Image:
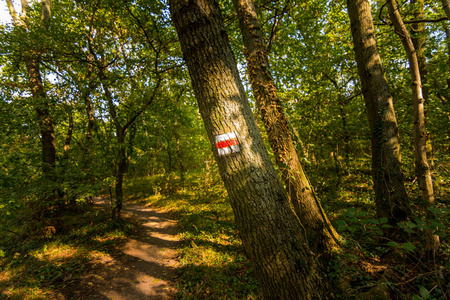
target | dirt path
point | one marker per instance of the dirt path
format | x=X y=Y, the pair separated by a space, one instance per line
x=144 y=267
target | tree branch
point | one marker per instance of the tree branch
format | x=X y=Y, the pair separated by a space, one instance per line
x=146 y=104
x=415 y=21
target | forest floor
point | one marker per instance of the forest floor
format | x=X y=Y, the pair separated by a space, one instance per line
x=178 y=242
x=172 y=243
x=143 y=266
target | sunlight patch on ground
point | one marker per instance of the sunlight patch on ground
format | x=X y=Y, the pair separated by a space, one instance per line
x=54 y=252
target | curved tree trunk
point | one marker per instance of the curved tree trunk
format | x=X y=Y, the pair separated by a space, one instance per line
x=270 y=231
x=420 y=136
x=320 y=233
x=390 y=195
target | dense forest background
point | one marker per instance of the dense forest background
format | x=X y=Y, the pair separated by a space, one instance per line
x=116 y=98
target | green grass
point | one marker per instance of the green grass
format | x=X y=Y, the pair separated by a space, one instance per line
x=213 y=263
x=215 y=267
x=41 y=266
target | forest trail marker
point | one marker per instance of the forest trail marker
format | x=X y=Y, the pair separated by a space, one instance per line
x=227 y=143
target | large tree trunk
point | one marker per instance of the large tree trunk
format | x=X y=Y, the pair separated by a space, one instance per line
x=43 y=114
x=390 y=195
x=270 y=231
x=420 y=136
x=320 y=233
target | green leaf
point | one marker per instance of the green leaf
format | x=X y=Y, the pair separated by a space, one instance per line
x=401 y=225
x=393 y=244
x=436 y=224
x=341 y=223
x=361 y=214
x=415 y=297
x=411 y=224
x=408 y=247
x=374 y=221
x=424 y=293
x=383 y=220
x=350 y=212
x=435 y=210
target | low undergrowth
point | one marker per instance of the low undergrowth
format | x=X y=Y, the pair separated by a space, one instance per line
x=45 y=264
x=367 y=267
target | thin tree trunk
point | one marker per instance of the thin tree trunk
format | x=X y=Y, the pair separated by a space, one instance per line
x=88 y=103
x=69 y=136
x=121 y=154
x=120 y=172
x=121 y=131
x=32 y=62
x=390 y=194
x=418 y=40
x=176 y=133
x=320 y=233
x=346 y=132
x=270 y=231
x=420 y=136
x=169 y=156
x=130 y=150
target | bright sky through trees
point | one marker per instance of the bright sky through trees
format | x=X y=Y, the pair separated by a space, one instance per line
x=4 y=12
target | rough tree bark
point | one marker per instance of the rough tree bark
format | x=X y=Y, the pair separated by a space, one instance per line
x=390 y=195
x=320 y=233
x=423 y=170
x=270 y=231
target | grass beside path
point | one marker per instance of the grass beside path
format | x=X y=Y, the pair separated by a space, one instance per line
x=213 y=265
x=45 y=263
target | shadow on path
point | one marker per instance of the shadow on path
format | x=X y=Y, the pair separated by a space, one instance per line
x=144 y=267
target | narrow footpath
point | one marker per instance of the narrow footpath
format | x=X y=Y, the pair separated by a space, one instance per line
x=144 y=267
